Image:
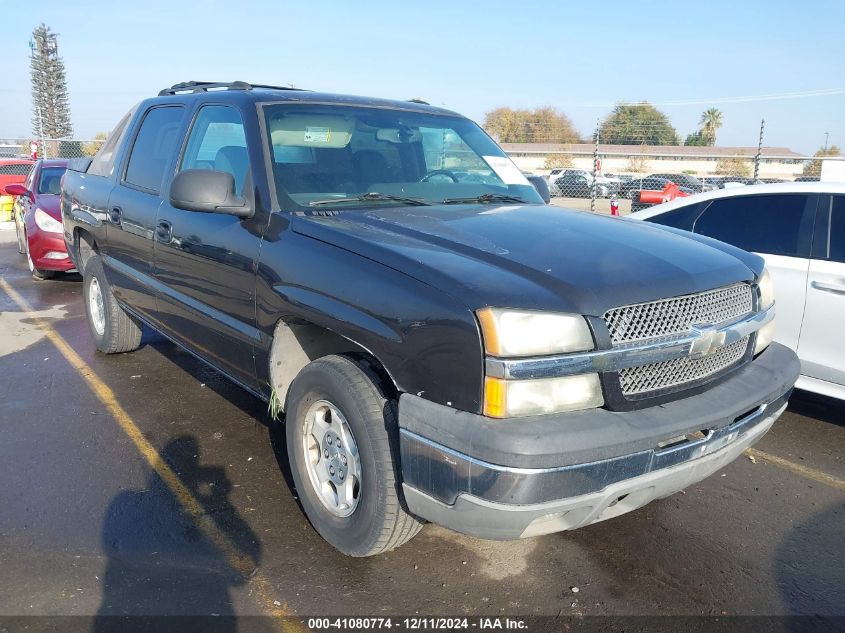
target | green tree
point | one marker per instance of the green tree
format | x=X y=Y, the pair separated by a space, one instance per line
x=710 y=122
x=50 y=107
x=696 y=139
x=637 y=124
x=541 y=125
x=813 y=168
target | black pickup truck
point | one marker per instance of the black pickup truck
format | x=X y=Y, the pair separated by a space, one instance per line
x=440 y=344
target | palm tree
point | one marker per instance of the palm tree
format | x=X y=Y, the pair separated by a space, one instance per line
x=711 y=120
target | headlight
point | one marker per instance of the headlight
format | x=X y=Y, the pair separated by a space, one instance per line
x=515 y=398
x=46 y=222
x=765 y=335
x=767 y=291
x=509 y=333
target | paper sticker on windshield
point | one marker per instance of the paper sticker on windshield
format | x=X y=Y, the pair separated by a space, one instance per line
x=317 y=134
x=506 y=170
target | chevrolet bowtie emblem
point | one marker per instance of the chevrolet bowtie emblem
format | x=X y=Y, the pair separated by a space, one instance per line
x=707 y=341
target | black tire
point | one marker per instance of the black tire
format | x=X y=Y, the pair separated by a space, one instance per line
x=380 y=521
x=121 y=332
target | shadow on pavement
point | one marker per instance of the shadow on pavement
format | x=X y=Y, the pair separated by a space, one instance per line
x=809 y=570
x=816 y=406
x=158 y=562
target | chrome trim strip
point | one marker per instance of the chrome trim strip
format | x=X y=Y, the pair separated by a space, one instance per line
x=624 y=356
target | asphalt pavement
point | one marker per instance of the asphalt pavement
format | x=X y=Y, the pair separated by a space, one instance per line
x=146 y=483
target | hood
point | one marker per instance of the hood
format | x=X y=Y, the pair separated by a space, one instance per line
x=50 y=204
x=534 y=256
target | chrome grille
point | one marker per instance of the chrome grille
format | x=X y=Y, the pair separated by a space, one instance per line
x=670 y=373
x=667 y=317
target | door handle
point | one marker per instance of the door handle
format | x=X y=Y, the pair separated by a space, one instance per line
x=114 y=215
x=164 y=231
x=826 y=286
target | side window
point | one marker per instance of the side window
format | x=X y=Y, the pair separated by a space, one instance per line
x=682 y=218
x=103 y=162
x=763 y=224
x=217 y=141
x=836 y=248
x=154 y=146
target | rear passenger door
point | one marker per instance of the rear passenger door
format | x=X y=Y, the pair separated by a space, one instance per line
x=779 y=227
x=822 y=344
x=205 y=263
x=133 y=207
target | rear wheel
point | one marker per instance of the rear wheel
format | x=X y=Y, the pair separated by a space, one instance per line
x=342 y=442
x=113 y=329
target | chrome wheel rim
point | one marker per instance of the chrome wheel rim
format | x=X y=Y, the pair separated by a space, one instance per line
x=96 y=308
x=331 y=458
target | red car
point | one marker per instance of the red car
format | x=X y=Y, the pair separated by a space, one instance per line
x=38 y=220
x=14 y=170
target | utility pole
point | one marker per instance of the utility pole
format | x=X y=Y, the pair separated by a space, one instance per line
x=594 y=186
x=759 y=149
x=826 y=135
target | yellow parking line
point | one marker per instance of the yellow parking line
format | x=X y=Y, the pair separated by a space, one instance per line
x=245 y=565
x=798 y=469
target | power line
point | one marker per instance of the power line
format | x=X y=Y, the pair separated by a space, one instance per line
x=805 y=94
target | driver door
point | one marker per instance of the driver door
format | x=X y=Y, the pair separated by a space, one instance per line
x=205 y=263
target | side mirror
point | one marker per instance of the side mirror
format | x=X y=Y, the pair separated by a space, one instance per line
x=209 y=191
x=16 y=190
x=541 y=186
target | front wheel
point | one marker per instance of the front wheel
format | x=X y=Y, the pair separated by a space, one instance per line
x=113 y=329
x=37 y=273
x=342 y=443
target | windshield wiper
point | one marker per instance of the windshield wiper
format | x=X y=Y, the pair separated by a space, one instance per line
x=373 y=196
x=485 y=198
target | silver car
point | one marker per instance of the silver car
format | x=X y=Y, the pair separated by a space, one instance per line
x=799 y=228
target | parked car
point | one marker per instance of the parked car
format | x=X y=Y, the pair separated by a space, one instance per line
x=574 y=184
x=688 y=182
x=799 y=229
x=38 y=221
x=14 y=171
x=631 y=188
x=446 y=351
x=565 y=182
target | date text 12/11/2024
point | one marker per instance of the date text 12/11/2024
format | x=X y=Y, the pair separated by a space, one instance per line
x=418 y=623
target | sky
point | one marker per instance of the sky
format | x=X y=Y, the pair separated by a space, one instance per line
x=580 y=57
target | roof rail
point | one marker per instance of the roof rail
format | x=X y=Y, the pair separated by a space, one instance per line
x=205 y=86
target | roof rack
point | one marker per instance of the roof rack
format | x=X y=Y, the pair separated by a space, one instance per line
x=205 y=86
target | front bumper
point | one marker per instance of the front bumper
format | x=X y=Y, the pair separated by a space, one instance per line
x=516 y=478
x=45 y=248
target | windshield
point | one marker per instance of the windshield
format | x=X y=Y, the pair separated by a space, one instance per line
x=50 y=181
x=341 y=156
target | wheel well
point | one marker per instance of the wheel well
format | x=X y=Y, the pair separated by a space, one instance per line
x=295 y=344
x=85 y=247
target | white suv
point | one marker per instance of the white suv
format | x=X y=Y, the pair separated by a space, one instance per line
x=799 y=228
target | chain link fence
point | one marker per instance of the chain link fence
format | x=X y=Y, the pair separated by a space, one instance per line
x=28 y=148
x=629 y=165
